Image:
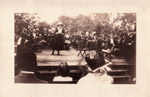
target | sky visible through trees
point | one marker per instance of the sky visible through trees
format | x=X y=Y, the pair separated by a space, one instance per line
x=99 y=22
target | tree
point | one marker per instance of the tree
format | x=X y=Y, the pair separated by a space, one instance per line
x=84 y=23
x=101 y=23
x=24 y=20
x=128 y=20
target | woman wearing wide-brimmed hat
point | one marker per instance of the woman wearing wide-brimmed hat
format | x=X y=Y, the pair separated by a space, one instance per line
x=59 y=38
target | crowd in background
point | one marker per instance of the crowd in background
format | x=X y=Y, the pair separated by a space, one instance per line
x=95 y=37
x=123 y=44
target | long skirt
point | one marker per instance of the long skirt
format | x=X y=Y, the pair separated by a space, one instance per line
x=58 y=42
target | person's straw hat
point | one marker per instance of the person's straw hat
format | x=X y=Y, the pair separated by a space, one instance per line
x=59 y=23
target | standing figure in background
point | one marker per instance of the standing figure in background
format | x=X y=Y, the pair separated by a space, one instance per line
x=67 y=40
x=73 y=40
x=59 y=38
x=26 y=40
x=52 y=38
x=99 y=43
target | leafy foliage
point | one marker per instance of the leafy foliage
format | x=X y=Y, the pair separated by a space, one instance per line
x=24 y=20
x=99 y=22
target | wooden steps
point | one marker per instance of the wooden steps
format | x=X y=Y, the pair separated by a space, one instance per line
x=55 y=71
x=122 y=71
x=54 y=67
x=48 y=72
x=122 y=79
x=120 y=63
x=117 y=72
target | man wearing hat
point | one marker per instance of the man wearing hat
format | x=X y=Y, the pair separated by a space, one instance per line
x=59 y=38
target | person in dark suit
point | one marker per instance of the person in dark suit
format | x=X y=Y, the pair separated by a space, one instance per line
x=99 y=44
x=26 y=61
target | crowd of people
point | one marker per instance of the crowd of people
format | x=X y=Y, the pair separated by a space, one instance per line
x=121 y=45
x=60 y=39
x=100 y=45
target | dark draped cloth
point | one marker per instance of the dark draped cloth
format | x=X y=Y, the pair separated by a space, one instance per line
x=91 y=45
x=99 y=45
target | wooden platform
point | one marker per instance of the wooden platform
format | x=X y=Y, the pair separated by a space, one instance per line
x=45 y=58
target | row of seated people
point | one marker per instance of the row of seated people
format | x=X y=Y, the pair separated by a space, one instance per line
x=123 y=45
x=96 y=71
x=99 y=45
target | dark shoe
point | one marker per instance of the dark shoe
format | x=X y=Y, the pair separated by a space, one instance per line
x=52 y=53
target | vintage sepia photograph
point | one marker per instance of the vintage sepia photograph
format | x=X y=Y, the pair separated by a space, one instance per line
x=74 y=48
x=98 y=48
